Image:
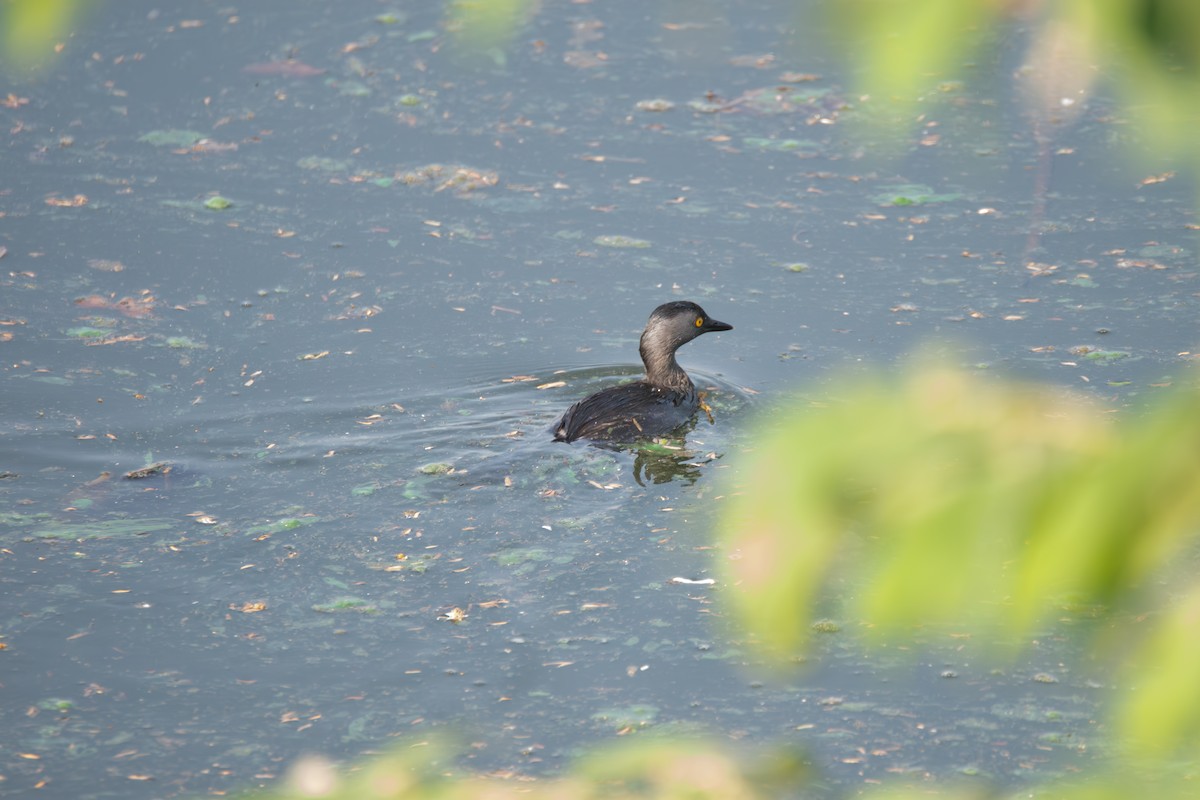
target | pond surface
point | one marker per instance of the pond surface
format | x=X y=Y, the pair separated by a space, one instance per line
x=342 y=277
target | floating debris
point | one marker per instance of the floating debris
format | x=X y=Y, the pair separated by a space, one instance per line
x=157 y=468
x=287 y=68
x=657 y=104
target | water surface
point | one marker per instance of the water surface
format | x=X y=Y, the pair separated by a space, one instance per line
x=353 y=367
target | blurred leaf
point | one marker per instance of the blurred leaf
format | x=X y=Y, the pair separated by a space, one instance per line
x=1162 y=711
x=903 y=48
x=664 y=768
x=31 y=28
x=484 y=27
x=949 y=499
x=1148 y=49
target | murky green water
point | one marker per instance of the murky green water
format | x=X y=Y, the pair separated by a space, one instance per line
x=353 y=365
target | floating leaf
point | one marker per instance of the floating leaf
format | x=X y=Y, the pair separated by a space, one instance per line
x=86 y=333
x=172 y=137
x=104 y=529
x=285 y=68
x=325 y=164
x=355 y=604
x=657 y=104
x=779 y=145
x=1106 y=356
x=621 y=242
x=910 y=194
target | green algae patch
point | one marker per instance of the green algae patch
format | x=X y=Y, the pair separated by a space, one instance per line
x=1106 y=356
x=103 y=529
x=281 y=525
x=323 y=164
x=86 y=332
x=343 y=604
x=913 y=194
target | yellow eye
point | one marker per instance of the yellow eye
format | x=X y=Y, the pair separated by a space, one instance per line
x=699 y=322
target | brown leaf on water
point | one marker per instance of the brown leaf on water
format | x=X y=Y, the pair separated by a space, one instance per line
x=137 y=307
x=757 y=62
x=128 y=337
x=159 y=468
x=1153 y=179
x=250 y=607
x=67 y=202
x=92 y=301
x=798 y=77
x=213 y=146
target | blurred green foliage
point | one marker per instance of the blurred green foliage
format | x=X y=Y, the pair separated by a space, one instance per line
x=947 y=501
x=662 y=768
x=1148 y=51
x=482 y=29
x=954 y=500
x=30 y=29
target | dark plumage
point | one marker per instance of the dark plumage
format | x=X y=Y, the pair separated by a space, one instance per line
x=655 y=405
